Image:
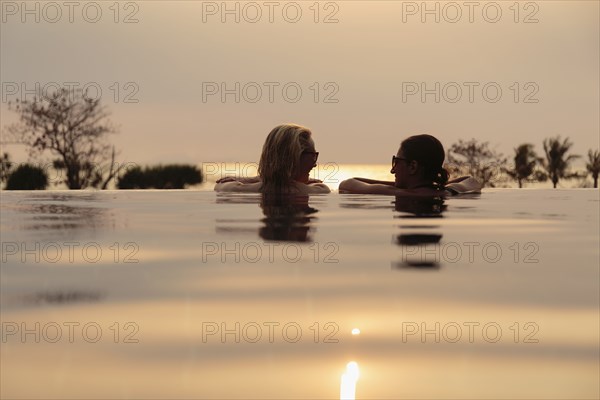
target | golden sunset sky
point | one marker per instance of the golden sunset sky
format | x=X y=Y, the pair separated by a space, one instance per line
x=370 y=57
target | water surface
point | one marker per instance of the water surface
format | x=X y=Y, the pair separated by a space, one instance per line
x=192 y=294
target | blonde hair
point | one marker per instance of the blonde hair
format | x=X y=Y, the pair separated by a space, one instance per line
x=280 y=156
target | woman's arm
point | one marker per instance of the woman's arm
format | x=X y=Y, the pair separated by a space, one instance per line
x=313 y=188
x=359 y=186
x=226 y=179
x=456 y=180
x=238 y=187
x=373 y=181
x=465 y=185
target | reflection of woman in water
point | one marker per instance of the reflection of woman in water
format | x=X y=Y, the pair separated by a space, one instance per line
x=287 y=158
x=287 y=218
x=418 y=170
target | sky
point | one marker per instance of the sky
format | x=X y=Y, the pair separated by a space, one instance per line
x=195 y=82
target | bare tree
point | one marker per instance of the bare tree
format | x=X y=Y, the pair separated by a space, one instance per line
x=557 y=161
x=476 y=159
x=74 y=129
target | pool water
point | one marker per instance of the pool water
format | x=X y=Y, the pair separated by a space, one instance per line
x=193 y=294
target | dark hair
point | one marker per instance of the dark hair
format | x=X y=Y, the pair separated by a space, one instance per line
x=430 y=154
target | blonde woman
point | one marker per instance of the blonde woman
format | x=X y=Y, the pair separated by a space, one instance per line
x=287 y=158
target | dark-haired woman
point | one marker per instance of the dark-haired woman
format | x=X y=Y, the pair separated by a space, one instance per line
x=418 y=169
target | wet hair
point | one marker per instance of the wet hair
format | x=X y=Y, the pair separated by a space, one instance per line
x=281 y=155
x=429 y=153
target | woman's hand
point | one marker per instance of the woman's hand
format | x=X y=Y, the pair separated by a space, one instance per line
x=226 y=179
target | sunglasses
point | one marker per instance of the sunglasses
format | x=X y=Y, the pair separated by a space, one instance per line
x=396 y=159
x=315 y=154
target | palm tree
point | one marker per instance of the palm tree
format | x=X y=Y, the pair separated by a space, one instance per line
x=525 y=162
x=593 y=165
x=557 y=160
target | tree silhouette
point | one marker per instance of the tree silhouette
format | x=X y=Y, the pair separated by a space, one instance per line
x=557 y=161
x=27 y=177
x=5 y=167
x=476 y=159
x=74 y=128
x=160 y=177
x=593 y=165
x=525 y=160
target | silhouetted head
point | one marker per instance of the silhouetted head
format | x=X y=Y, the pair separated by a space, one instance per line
x=288 y=155
x=418 y=163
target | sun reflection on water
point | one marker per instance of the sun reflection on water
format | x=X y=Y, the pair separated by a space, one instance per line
x=348 y=381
